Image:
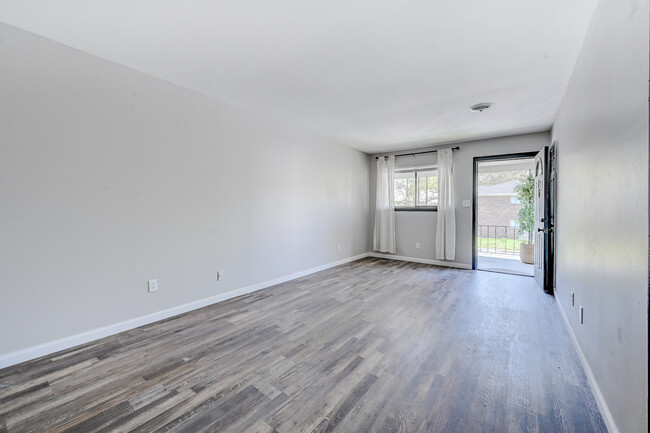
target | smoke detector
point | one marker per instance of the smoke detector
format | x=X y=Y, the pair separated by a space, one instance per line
x=481 y=107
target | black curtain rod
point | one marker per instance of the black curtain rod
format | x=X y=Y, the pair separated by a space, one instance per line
x=420 y=153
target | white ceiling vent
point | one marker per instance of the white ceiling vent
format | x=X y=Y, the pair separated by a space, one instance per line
x=481 y=107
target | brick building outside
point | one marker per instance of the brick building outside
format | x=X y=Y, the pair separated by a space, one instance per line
x=498 y=207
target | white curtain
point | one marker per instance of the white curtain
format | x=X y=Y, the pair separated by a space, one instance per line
x=446 y=230
x=384 y=236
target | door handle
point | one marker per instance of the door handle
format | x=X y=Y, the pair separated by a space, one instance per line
x=549 y=230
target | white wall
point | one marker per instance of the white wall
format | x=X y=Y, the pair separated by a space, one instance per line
x=602 y=222
x=412 y=227
x=109 y=178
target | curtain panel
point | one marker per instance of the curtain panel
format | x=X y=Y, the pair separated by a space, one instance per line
x=446 y=226
x=384 y=234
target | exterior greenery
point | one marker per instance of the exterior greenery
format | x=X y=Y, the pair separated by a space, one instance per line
x=499 y=245
x=414 y=188
x=526 y=194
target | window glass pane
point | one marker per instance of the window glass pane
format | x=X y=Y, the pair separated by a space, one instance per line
x=408 y=174
x=404 y=188
x=417 y=187
x=428 y=188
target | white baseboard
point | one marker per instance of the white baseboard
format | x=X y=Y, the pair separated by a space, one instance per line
x=33 y=352
x=417 y=260
x=600 y=399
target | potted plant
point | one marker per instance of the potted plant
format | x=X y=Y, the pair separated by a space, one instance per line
x=526 y=194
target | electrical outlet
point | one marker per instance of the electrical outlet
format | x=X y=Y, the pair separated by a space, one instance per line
x=219 y=275
x=581 y=316
x=417 y=245
x=152 y=285
x=573 y=299
x=338 y=247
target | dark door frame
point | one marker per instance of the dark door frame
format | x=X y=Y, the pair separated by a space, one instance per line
x=552 y=206
x=477 y=159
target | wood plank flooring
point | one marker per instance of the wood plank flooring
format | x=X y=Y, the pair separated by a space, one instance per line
x=371 y=346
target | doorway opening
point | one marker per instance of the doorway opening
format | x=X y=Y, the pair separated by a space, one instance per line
x=503 y=214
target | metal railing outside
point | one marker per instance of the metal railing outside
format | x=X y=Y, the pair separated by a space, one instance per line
x=493 y=239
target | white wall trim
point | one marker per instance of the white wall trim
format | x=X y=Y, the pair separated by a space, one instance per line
x=417 y=260
x=22 y=355
x=600 y=399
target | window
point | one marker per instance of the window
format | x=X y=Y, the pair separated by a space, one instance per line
x=416 y=188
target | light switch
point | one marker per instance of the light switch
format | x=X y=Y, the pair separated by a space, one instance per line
x=467 y=203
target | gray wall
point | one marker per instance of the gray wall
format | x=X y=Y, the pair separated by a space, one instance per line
x=412 y=227
x=109 y=178
x=602 y=228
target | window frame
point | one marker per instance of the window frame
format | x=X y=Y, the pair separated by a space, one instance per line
x=416 y=208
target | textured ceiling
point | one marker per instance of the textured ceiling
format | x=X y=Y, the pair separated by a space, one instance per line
x=376 y=75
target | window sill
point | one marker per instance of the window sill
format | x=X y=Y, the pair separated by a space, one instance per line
x=417 y=209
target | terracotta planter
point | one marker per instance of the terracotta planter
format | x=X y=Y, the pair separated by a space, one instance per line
x=527 y=253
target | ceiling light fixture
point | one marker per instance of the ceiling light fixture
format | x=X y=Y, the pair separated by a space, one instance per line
x=481 y=107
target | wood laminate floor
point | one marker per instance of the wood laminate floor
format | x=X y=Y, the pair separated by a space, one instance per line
x=371 y=346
